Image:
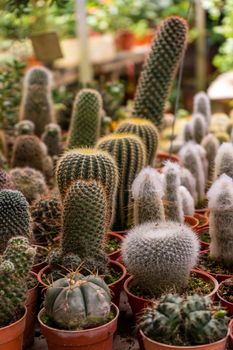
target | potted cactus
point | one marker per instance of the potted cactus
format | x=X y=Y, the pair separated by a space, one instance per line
x=78 y=313
x=184 y=323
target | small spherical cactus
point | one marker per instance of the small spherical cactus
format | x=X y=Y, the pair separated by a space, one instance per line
x=52 y=139
x=24 y=127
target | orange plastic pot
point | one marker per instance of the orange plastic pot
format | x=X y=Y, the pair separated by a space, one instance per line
x=162 y=157
x=204 y=211
x=150 y=344
x=203 y=220
x=98 y=338
x=11 y=337
x=115 y=255
x=191 y=221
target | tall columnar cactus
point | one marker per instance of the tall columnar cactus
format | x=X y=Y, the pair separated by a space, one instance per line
x=202 y=105
x=85 y=224
x=160 y=256
x=147 y=190
x=14 y=216
x=211 y=145
x=24 y=127
x=85 y=164
x=86 y=119
x=199 y=127
x=52 y=139
x=187 y=201
x=15 y=265
x=202 y=153
x=188 y=180
x=192 y=161
x=129 y=153
x=146 y=130
x=172 y=197
x=159 y=70
x=30 y=182
x=224 y=160
x=220 y=198
x=187 y=133
x=37 y=104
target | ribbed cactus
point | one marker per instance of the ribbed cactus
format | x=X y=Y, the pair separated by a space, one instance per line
x=224 y=160
x=15 y=265
x=191 y=321
x=187 y=180
x=85 y=164
x=129 y=153
x=211 y=145
x=172 y=197
x=24 y=127
x=199 y=127
x=85 y=120
x=147 y=190
x=5 y=181
x=160 y=256
x=192 y=161
x=187 y=133
x=146 y=130
x=202 y=105
x=30 y=182
x=14 y=216
x=187 y=200
x=78 y=302
x=37 y=105
x=220 y=198
x=159 y=70
x=52 y=139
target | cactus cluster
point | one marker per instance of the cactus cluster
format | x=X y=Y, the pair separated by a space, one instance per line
x=159 y=70
x=24 y=127
x=224 y=160
x=160 y=255
x=202 y=106
x=189 y=321
x=52 y=139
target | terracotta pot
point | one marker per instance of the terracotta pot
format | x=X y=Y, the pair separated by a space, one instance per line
x=117 y=253
x=11 y=337
x=138 y=304
x=227 y=304
x=121 y=233
x=98 y=338
x=218 y=276
x=201 y=218
x=31 y=304
x=204 y=245
x=150 y=344
x=124 y=40
x=191 y=221
x=204 y=211
x=230 y=334
x=164 y=156
x=37 y=267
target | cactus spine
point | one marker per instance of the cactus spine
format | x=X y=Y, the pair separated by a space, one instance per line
x=224 y=160
x=160 y=255
x=129 y=153
x=52 y=139
x=146 y=130
x=202 y=105
x=85 y=120
x=159 y=70
x=199 y=127
x=147 y=192
x=187 y=201
x=37 y=105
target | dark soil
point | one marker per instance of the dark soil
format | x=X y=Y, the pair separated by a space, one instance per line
x=226 y=290
x=113 y=244
x=210 y=265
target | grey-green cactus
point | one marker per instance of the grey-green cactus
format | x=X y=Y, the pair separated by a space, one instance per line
x=224 y=160
x=187 y=201
x=86 y=119
x=147 y=190
x=199 y=127
x=146 y=130
x=52 y=139
x=211 y=145
x=24 y=127
x=187 y=133
x=187 y=180
x=160 y=255
x=202 y=105
x=37 y=105
x=202 y=154
x=159 y=70
x=129 y=153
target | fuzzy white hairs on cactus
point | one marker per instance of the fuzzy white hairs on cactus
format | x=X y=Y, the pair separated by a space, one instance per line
x=187 y=133
x=220 y=198
x=202 y=152
x=202 y=105
x=199 y=127
x=224 y=160
x=188 y=181
x=211 y=145
x=187 y=201
x=147 y=190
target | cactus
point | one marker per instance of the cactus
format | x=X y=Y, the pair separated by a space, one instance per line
x=5 y=181
x=85 y=120
x=37 y=103
x=220 y=198
x=211 y=145
x=187 y=131
x=187 y=201
x=24 y=127
x=203 y=156
x=14 y=217
x=15 y=265
x=224 y=160
x=129 y=153
x=52 y=139
x=147 y=190
x=193 y=320
x=46 y=215
x=222 y=136
x=146 y=130
x=188 y=181
x=30 y=182
x=84 y=164
x=199 y=127
x=77 y=302
x=160 y=255
x=159 y=70
x=202 y=105
x=172 y=197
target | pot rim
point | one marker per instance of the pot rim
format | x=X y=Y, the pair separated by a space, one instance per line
x=16 y=322
x=194 y=225
x=206 y=224
x=213 y=274
x=219 y=295
x=83 y=331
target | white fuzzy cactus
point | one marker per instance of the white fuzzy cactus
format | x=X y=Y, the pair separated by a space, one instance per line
x=199 y=127
x=187 y=201
x=211 y=145
x=188 y=181
x=220 y=198
x=187 y=133
x=172 y=197
x=147 y=190
x=224 y=160
x=202 y=105
x=160 y=256
x=202 y=153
